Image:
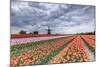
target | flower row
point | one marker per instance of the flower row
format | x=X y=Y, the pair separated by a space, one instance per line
x=33 y=39
x=36 y=56
x=91 y=42
x=74 y=52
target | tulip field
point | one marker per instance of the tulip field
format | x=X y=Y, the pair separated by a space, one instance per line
x=52 y=49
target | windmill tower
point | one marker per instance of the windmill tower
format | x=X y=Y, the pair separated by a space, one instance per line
x=49 y=30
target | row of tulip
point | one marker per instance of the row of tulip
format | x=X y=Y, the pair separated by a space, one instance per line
x=74 y=52
x=14 y=36
x=38 y=55
x=90 y=41
x=34 y=44
x=32 y=39
x=91 y=36
x=16 y=50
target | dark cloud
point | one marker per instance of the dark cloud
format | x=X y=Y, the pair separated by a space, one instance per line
x=32 y=16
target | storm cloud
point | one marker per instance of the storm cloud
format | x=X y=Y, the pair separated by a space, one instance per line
x=62 y=18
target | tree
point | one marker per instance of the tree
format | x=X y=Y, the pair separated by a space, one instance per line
x=35 y=32
x=22 y=32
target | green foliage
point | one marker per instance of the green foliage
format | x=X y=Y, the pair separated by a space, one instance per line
x=22 y=32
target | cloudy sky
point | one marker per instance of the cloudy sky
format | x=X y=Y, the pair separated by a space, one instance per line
x=61 y=18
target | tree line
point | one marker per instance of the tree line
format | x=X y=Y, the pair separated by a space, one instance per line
x=25 y=32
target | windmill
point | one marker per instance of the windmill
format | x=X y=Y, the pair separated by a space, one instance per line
x=49 y=30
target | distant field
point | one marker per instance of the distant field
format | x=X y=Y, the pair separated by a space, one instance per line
x=14 y=36
x=51 y=49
